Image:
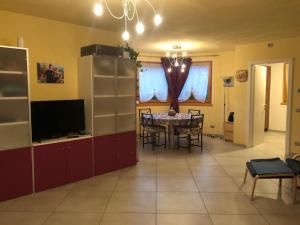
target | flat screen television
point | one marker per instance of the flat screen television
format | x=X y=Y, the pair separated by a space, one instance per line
x=53 y=119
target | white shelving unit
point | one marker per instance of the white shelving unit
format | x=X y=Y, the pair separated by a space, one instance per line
x=108 y=84
x=14 y=99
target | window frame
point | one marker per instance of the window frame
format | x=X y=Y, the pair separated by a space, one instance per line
x=154 y=102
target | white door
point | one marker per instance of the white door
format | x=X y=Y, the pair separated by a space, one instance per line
x=260 y=74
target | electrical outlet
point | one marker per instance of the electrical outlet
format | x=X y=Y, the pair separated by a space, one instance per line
x=212 y=126
x=297 y=143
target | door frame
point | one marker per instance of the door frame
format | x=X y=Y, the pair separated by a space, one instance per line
x=250 y=97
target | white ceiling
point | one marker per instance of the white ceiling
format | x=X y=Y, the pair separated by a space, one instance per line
x=211 y=25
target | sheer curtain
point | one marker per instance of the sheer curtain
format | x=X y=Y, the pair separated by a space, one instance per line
x=196 y=84
x=153 y=83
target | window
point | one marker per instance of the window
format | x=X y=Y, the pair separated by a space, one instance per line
x=153 y=84
x=197 y=87
x=153 y=87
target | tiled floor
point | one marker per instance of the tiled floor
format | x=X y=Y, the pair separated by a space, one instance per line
x=167 y=187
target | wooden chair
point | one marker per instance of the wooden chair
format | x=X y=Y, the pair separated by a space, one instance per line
x=194 y=112
x=145 y=110
x=151 y=130
x=195 y=127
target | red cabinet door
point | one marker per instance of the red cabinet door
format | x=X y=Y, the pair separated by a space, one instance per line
x=50 y=166
x=105 y=155
x=79 y=160
x=15 y=173
x=126 y=149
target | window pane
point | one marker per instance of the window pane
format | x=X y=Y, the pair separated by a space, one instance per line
x=153 y=83
x=196 y=85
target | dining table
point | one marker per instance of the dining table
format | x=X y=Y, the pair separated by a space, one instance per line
x=179 y=119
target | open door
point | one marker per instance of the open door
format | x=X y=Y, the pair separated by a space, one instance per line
x=260 y=73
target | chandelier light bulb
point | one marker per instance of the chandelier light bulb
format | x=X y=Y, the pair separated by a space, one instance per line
x=140 y=28
x=184 y=54
x=176 y=64
x=98 y=9
x=183 y=66
x=182 y=70
x=173 y=56
x=168 y=54
x=125 y=35
x=157 y=20
x=169 y=70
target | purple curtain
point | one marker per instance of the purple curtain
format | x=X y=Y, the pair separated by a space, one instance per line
x=176 y=79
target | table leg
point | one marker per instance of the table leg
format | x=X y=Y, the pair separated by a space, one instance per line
x=171 y=135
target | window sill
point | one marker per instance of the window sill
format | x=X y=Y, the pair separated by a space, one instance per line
x=188 y=103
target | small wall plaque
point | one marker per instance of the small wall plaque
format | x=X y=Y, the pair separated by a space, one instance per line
x=242 y=75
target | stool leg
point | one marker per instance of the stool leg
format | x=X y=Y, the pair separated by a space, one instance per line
x=253 y=188
x=246 y=173
x=295 y=189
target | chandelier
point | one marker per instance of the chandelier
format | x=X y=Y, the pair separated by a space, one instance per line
x=176 y=58
x=129 y=13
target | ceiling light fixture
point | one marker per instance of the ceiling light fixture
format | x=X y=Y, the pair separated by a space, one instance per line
x=129 y=13
x=177 y=58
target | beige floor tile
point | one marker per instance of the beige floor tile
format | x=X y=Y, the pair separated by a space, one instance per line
x=100 y=183
x=146 y=170
x=22 y=218
x=173 y=170
x=136 y=184
x=183 y=219
x=276 y=204
x=128 y=219
x=238 y=220
x=235 y=171
x=138 y=202
x=228 y=203
x=208 y=171
x=179 y=202
x=45 y=201
x=216 y=184
x=85 y=201
x=73 y=219
x=169 y=183
x=5 y=204
x=283 y=219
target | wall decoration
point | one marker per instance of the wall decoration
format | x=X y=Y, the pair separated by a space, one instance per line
x=50 y=73
x=242 y=75
x=228 y=81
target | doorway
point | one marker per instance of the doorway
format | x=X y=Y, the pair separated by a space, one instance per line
x=270 y=103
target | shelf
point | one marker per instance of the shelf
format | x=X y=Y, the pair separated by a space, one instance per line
x=104 y=96
x=12 y=72
x=126 y=114
x=125 y=96
x=104 y=76
x=104 y=115
x=13 y=98
x=124 y=77
x=60 y=140
x=14 y=123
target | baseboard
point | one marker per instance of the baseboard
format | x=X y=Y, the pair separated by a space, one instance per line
x=277 y=131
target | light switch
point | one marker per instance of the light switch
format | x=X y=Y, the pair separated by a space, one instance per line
x=298 y=90
x=298 y=110
x=297 y=143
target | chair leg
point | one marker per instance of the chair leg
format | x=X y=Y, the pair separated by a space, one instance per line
x=140 y=131
x=280 y=182
x=198 y=138
x=201 y=141
x=246 y=173
x=253 y=188
x=295 y=189
x=153 y=140
x=189 y=143
x=143 y=137
x=178 y=141
x=165 y=139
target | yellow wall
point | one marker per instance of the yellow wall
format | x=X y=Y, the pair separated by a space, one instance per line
x=287 y=48
x=223 y=65
x=51 y=42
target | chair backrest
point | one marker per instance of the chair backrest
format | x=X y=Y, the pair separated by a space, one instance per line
x=197 y=121
x=145 y=110
x=194 y=112
x=147 y=120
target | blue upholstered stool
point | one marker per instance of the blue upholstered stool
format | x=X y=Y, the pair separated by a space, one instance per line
x=269 y=169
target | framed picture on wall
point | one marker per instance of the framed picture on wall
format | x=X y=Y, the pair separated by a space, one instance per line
x=50 y=73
